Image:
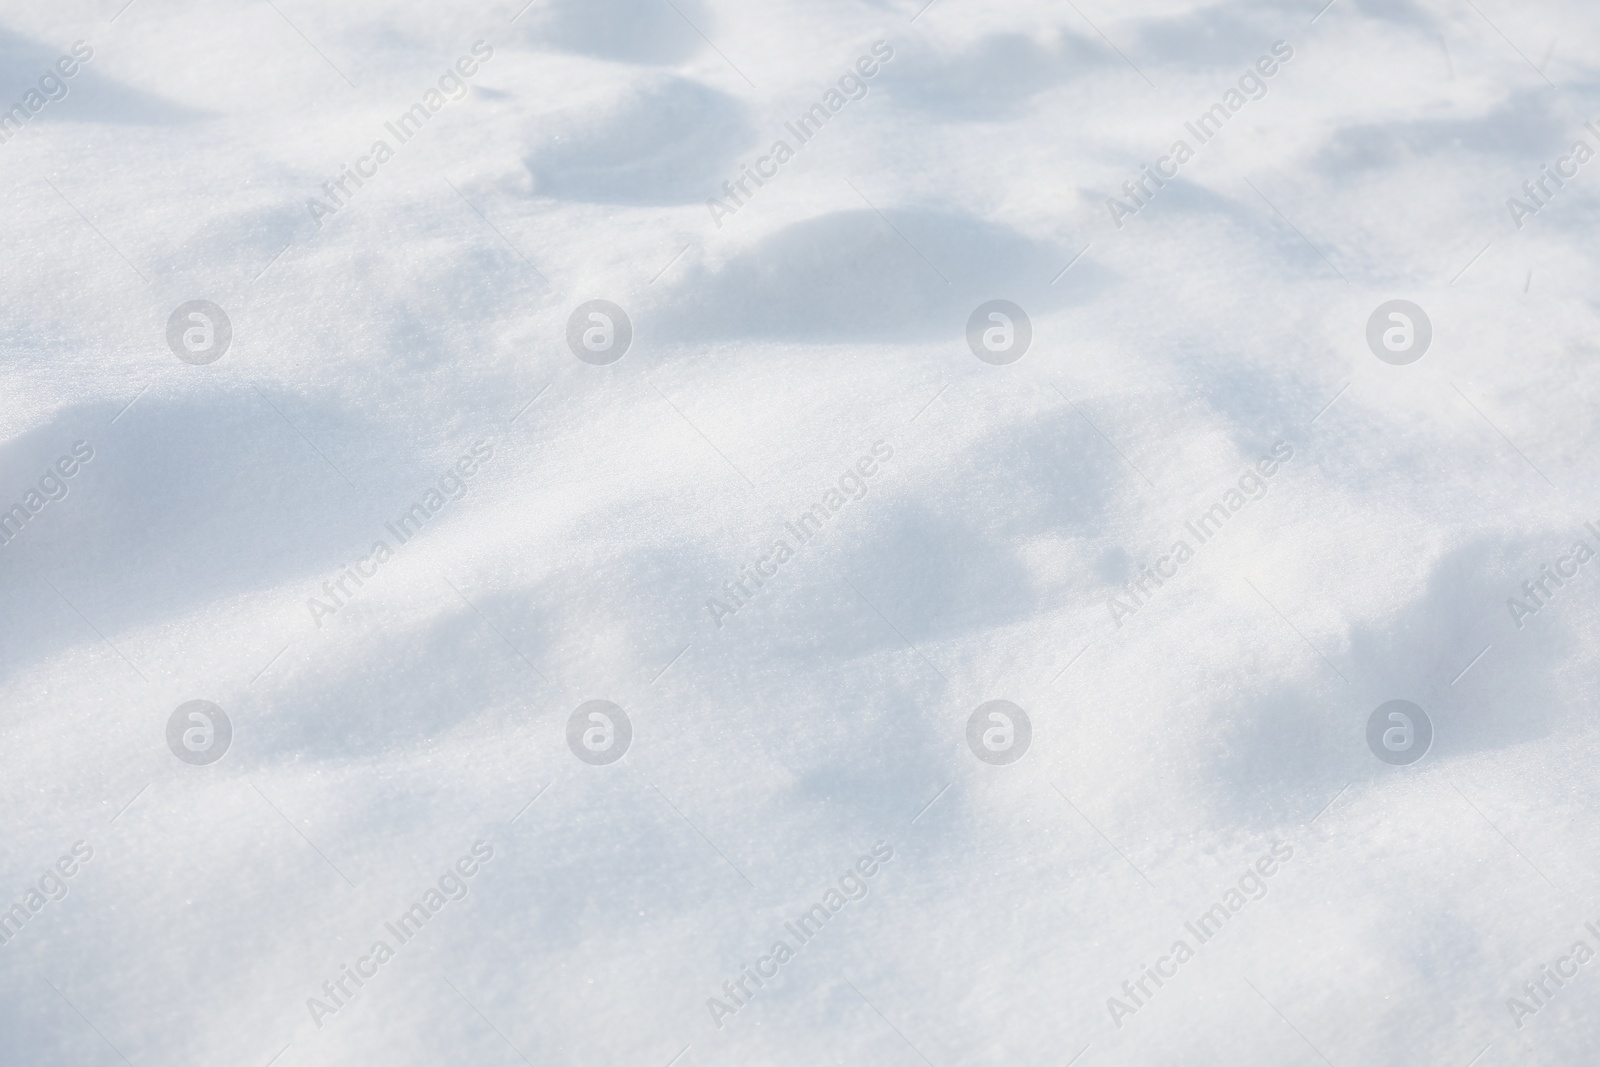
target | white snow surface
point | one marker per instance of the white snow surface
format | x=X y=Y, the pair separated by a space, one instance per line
x=424 y=712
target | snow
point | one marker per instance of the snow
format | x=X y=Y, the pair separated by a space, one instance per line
x=584 y=528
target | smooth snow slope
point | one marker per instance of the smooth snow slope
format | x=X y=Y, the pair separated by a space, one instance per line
x=405 y=741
